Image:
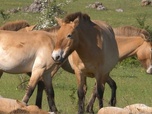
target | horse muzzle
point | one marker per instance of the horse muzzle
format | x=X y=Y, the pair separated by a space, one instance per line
x=57 y=56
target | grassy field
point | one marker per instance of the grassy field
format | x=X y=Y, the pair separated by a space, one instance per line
x=134 y=85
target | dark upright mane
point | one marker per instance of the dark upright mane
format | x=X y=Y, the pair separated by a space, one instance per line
x=132 y=31
x=73 y=16
x=15 y=26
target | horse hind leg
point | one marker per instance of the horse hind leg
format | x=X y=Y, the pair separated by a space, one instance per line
x=112 y=102
x=50 y=92
x=1 y=73
x=113 y=87
x=40 y=88
x=100 y=87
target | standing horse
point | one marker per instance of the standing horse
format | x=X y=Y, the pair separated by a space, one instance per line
x=33 y=55
x=131 y=41
x=94 y=50
x=138 y=39
x=125 y=36
x=23 y=25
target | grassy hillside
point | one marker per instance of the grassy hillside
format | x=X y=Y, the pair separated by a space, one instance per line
x=134 y=85
x=132 y=10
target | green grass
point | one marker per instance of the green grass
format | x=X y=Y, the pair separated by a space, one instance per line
x=132 y=82
x=134 y=85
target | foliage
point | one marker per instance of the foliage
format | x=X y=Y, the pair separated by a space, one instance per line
x=141 y=20
x=4 y=15
x=50 y=10
x=23 y=82
x=131 y=61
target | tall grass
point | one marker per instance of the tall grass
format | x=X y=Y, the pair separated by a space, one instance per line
x=134 y=85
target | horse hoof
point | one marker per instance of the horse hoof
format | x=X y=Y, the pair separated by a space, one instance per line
x=51 y=112
x=112 y=103
x=90 y=111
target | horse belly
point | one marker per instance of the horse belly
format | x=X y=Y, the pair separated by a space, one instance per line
x=15 y=67
x=111 y=57
x=15 y=64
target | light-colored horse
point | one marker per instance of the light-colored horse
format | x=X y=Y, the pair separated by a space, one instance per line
x=12 y=26
x=131 y=41
x=94 y=48
x=23 y=25
x=25 y=52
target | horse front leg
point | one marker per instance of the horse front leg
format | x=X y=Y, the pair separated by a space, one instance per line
x=40 y=88
x=50 y=92
x=89 y=108
x=35 y=77
x=113 y=87
x=82 y=88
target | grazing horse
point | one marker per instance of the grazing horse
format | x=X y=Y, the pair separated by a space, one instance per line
x=131 y=41
x=93 y=50
x=33 y=55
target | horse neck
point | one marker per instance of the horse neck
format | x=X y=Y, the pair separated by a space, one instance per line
x=87 y=41
x=128 y=46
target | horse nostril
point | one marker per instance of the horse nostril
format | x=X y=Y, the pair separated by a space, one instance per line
x=57 y=57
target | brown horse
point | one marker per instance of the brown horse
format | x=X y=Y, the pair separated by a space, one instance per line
x=92 y=47
x=33 y=55
x=130 y=36
x=127 y=32
x=131 y=41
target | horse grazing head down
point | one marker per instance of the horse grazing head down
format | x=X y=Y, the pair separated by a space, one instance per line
x=67 y=36
x=138 y=42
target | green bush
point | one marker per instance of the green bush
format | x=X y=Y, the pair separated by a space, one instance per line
x=50 y=10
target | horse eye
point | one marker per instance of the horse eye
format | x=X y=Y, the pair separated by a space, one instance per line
x=69 y=36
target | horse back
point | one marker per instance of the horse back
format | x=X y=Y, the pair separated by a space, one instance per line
x=109 y=46
x=20 y=50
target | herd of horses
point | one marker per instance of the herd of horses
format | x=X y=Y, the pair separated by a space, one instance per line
x=84 y=47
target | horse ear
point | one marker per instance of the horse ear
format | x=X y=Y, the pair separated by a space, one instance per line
x=76 y=22
x=59 y=21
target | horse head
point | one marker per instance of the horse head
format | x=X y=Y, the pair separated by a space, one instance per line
x=66 y=40
x=144 y=55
